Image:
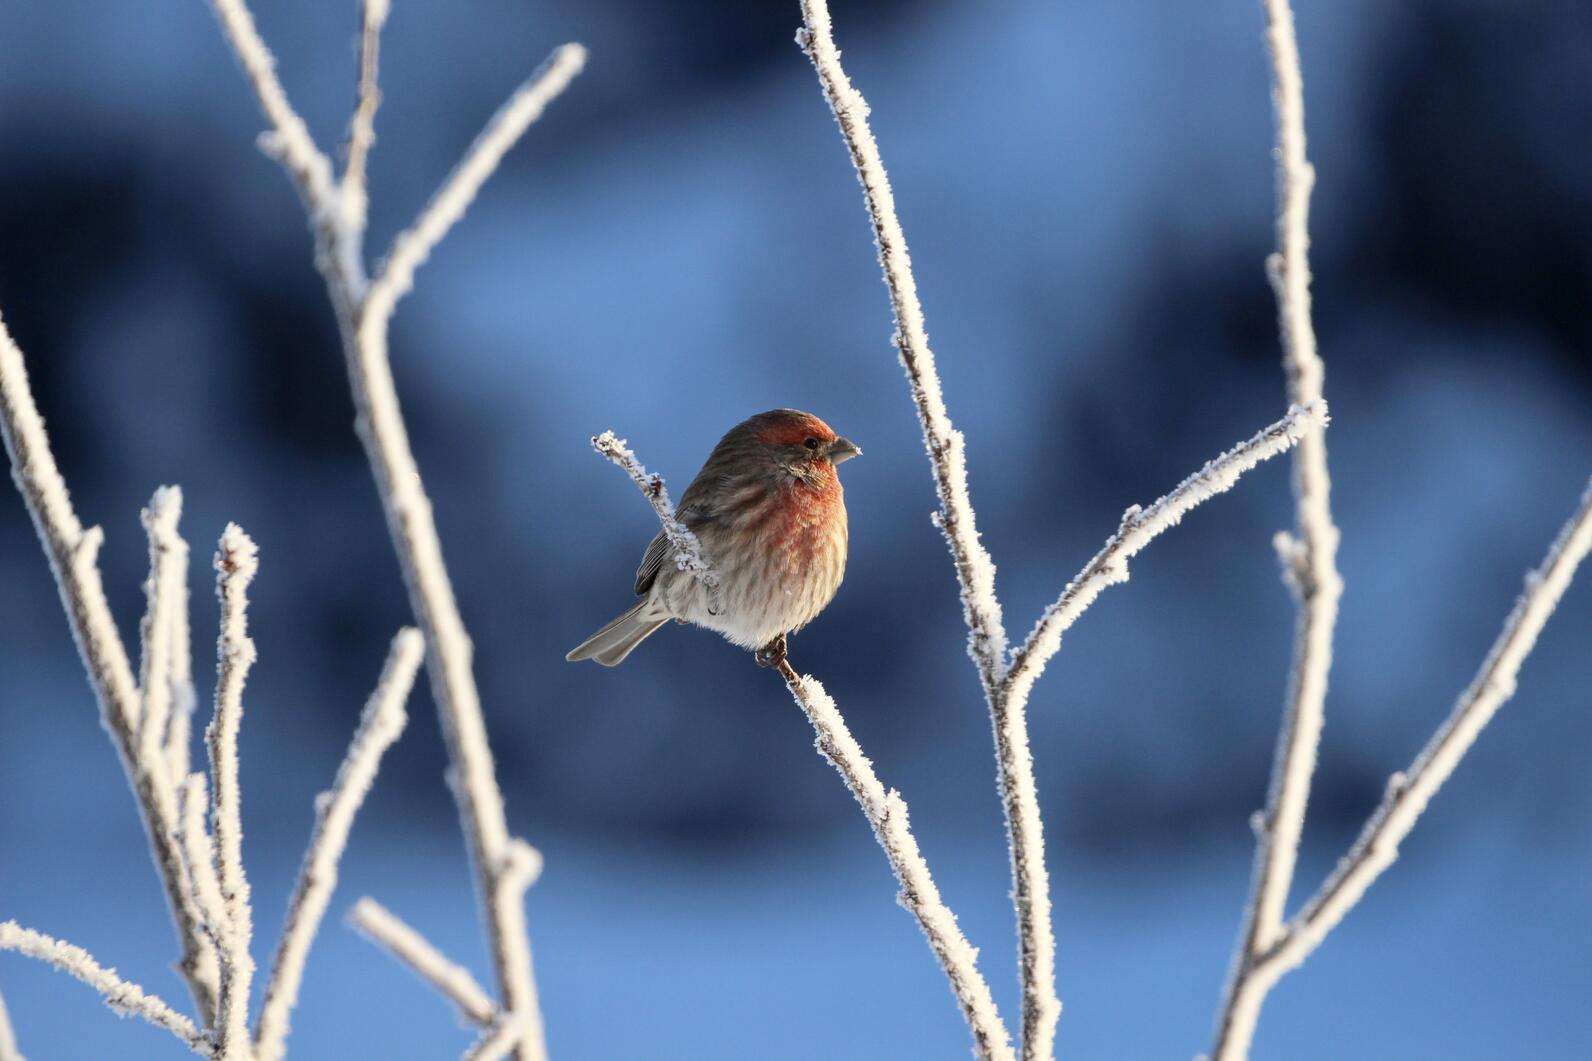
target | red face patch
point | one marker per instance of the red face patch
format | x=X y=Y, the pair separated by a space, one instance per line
x=795 y=429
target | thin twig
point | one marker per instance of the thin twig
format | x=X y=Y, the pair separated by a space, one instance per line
x=886 y=812
x=1140 y=526
x=683 y=544
x=1309 y=555
x=363 y=313
x=236 y=562
x=975 y=570
x=354 y=188
x=385 y=929
x=1408 y=793
x=199 y=856
x=72 y=552
x=9 y=1050
x=887 y=815
x=120 y=995
x=396 y=275
x=498 y=1040
x=166 y=594
x=380 y=725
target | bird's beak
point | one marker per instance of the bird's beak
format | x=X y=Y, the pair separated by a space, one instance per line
x=842 y=450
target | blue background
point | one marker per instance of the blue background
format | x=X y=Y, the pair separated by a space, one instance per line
x=1087 y=189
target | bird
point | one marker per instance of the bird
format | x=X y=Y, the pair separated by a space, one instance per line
x=770 y=515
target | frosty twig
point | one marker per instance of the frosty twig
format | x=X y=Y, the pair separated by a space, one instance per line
x=385 y=929
x=72 y=551
x=382 y=722
x=364 y=310
x=120 y=995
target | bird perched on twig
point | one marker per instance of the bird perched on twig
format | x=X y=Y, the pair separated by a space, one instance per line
x=770 y=515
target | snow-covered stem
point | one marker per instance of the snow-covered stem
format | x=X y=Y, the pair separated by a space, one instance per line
x=975 y=571
x=683 y=544
x=72 y=551
x=1408 y=793
x=9 y=1050
x=289 y=140
x=1140 y=526
x=166 y=606
x=127 y=999
x=380 y=725
x=236 y=562
x=389 y=932
x=396 y=274
x=497 y=1040
x=1309 y=554
x=886 y=811
x=364 y=311
x=199 y=856
x=353 y=187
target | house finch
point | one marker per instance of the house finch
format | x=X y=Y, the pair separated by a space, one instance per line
x=769 y=512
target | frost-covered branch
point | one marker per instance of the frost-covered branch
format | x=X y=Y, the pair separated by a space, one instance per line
x=886 y=811
x=236 y=562
x=9 y=1050
x=72 y=551
x=887 y=815
x=363 y=313
x=166 y=596
x=497 y=1040
x=1140 y=526
x=385 y=929
x=362 y=128
x=683 y=545
x=975 y=570
x=120 y=995
x=1309 y=554
x=199 y=856
x=413 y=246
x=1409 y=792
x=380 y=725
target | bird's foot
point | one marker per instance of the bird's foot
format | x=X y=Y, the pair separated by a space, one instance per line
x=771 y=654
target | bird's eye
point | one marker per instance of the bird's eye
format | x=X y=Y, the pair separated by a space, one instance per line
x=811 y=443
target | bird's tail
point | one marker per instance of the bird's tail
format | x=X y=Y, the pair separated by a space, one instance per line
x=610 y=645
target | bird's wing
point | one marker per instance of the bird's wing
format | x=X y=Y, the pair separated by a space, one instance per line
x=693 y=516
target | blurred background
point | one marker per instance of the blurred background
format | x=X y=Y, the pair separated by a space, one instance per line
x=1088 y=191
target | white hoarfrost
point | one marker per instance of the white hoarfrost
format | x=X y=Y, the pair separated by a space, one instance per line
x=122 y=996
x=364 y=308
x=380 y=725
x=452 y=980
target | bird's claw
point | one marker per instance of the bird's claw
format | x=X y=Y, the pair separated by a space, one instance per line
x=771 y=654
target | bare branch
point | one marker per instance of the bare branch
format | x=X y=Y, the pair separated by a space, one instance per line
x=199 y=857
x=353 y=189
x=1140 y=526
x=384 y=928
x=236 y=562
x=498 y=1040
x=1309 y=555
x=120 y=995
x=1408 y=793
x=687 y=551
x=167 y=606
x=289 y=141
x=72 y=552
x=886 y=811
x=396 y=275
x=975 y=570
x=380 y=725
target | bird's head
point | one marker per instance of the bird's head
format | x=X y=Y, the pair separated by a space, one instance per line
x=801 y=443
